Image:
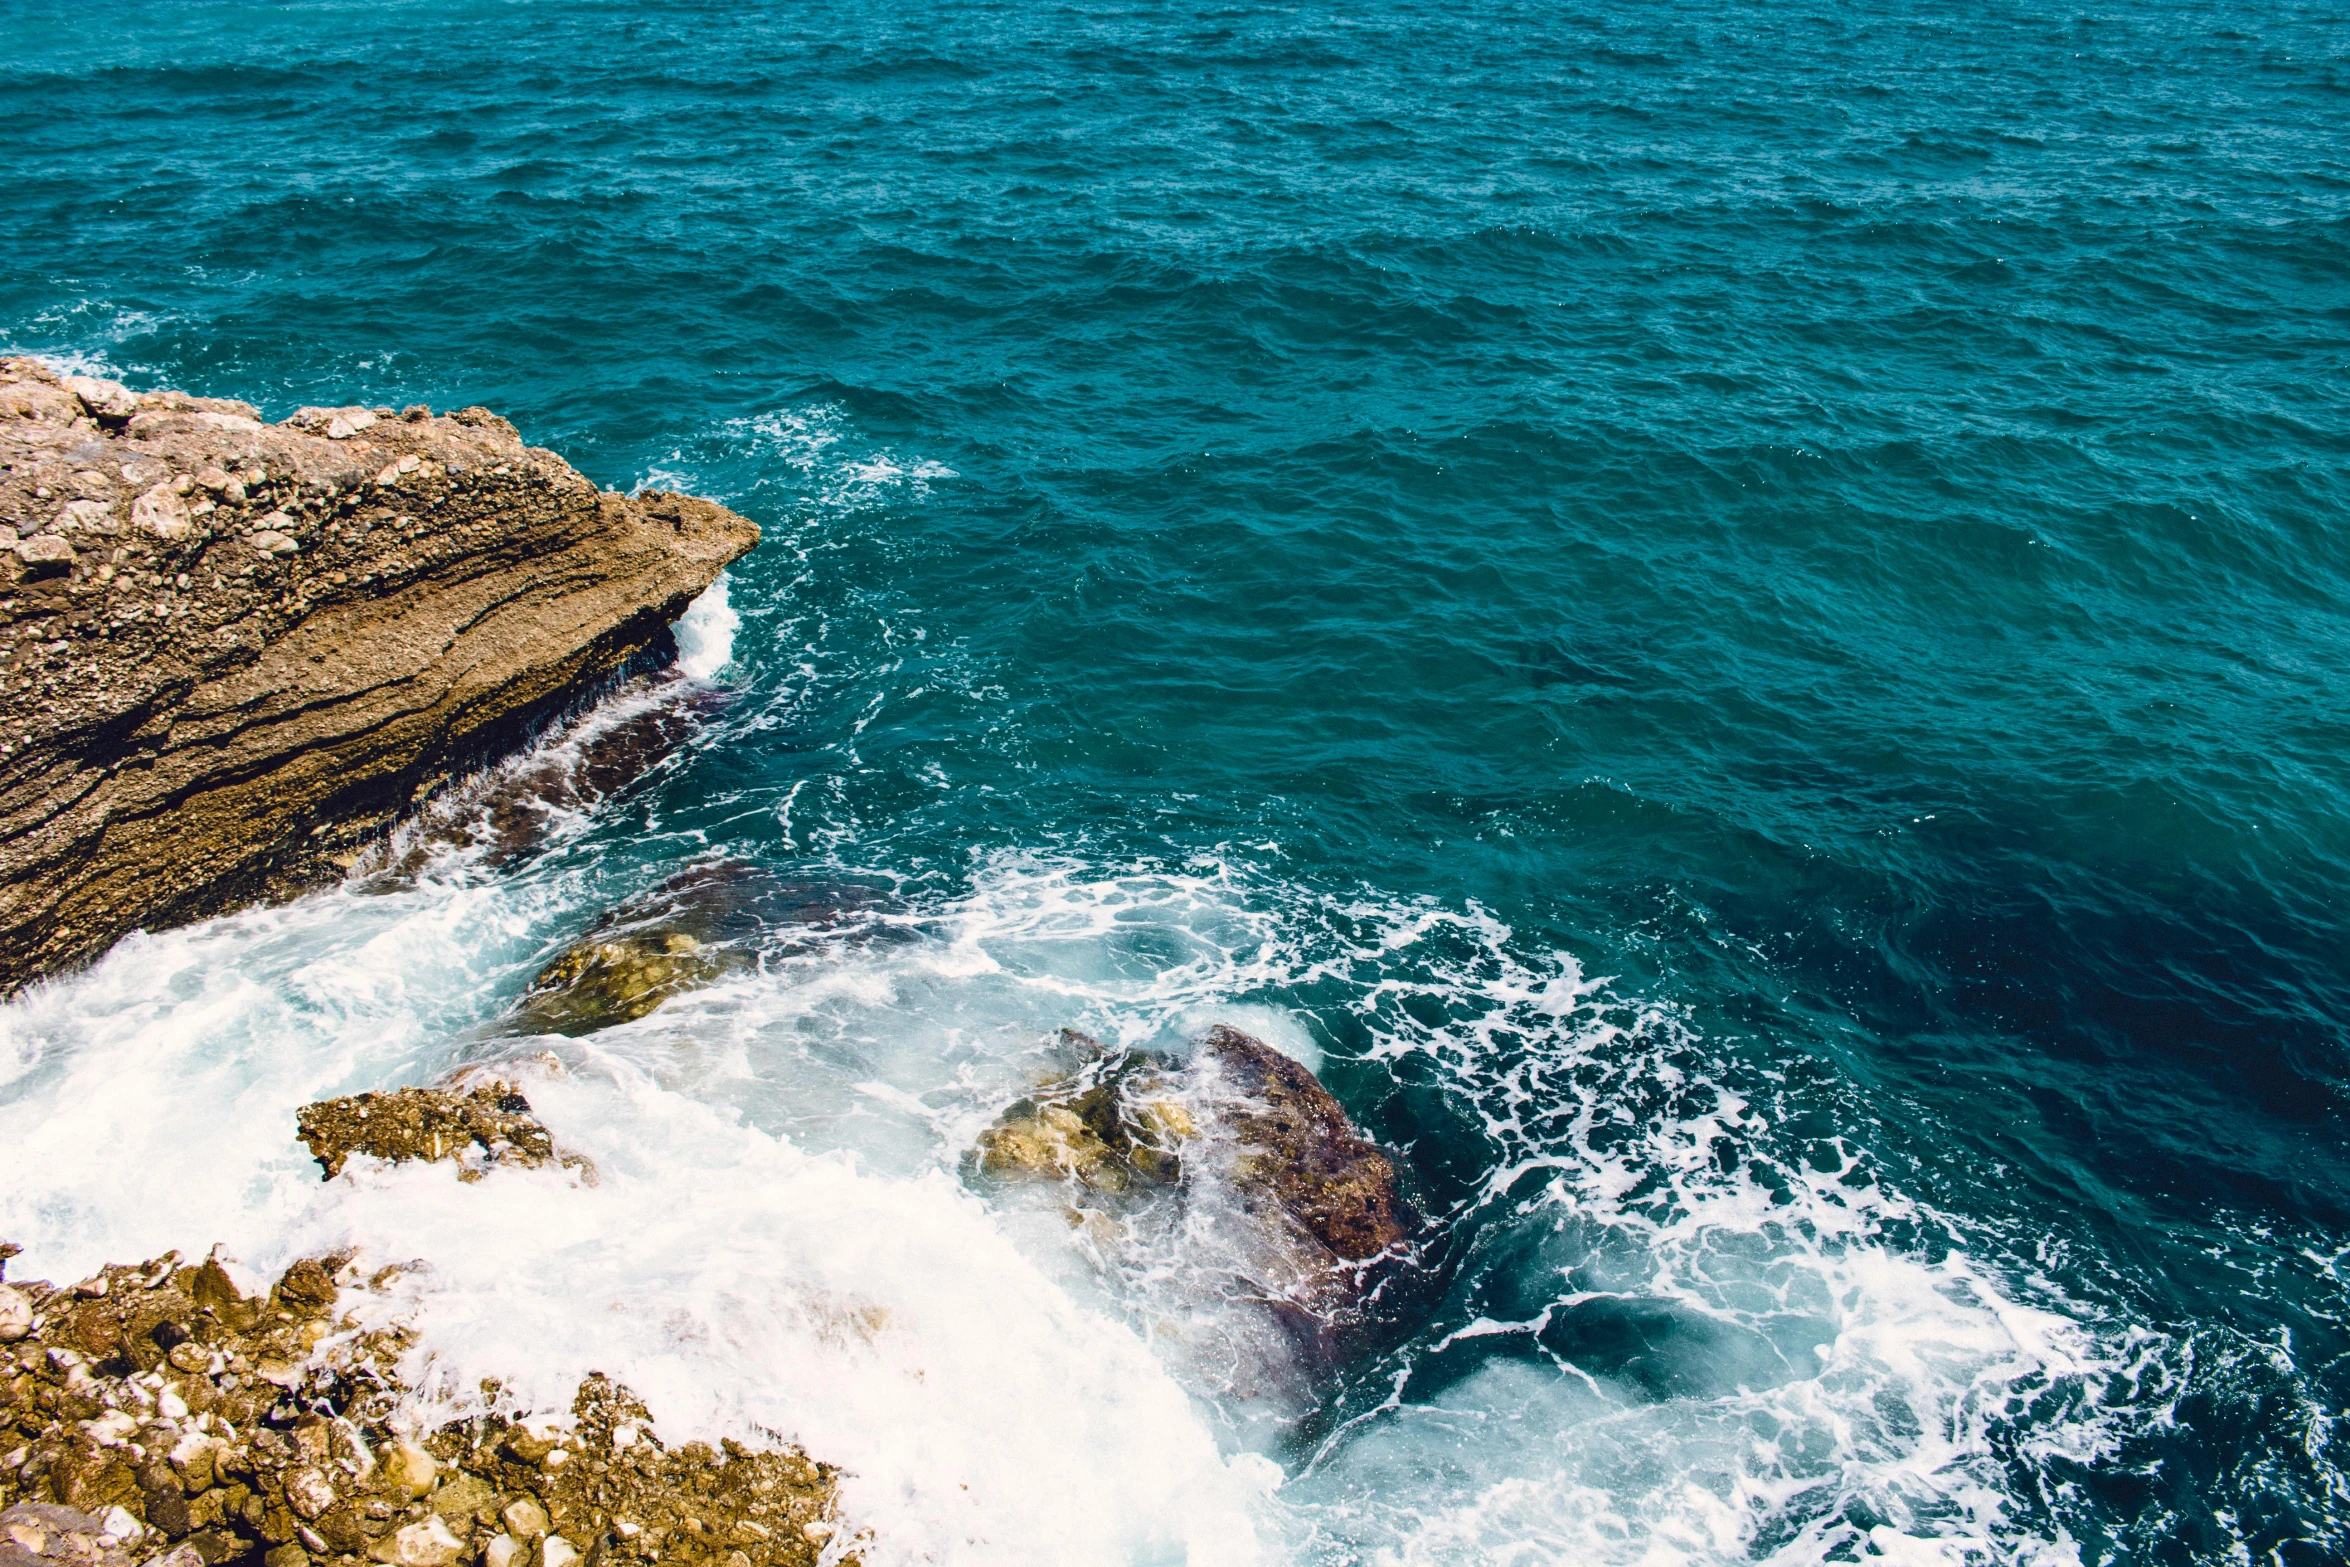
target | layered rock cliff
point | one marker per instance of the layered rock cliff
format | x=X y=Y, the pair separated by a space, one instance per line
x=232 y=652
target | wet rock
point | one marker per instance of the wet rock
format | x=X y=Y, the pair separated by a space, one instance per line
x=1327 y=1229
x=1303 y=1154
x=1115 y=1123
x=410 y=1469
x=705 y=922
x=509 y=810
x=617 y=979
x=477 y=1127
x=234 y=693
x=136 y=1425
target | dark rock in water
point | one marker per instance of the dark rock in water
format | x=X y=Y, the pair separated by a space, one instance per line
x=487 y=1125
x=1329 y=1229
x=1304 y=1154
x=161 y=1414
x=509 y=811
x=702 y=924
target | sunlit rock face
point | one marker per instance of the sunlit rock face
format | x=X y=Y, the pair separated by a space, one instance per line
x=235 y=652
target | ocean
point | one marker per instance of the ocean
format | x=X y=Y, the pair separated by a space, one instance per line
x=1733 y=619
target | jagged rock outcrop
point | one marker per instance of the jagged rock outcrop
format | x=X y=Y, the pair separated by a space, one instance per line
x=1300 y=1156
x=487 y=1124
x=233 y=652
x=182 y=1414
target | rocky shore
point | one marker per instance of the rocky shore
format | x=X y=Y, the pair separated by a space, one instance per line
x=183 y=1413
x=177 y=1414
x=234 y=652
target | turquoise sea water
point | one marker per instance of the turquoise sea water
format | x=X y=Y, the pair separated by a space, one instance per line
x=1737 y=615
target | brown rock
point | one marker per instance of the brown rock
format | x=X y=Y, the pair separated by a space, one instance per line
x=41 y=1534
x=1305 y=1153
x=599 y=982
x=489 y=1124
x=1114 y=1124
x=192 y=723
x=1326 y=1229
x=695 y=928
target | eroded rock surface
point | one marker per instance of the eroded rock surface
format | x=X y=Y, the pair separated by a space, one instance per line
x=477 y=1127
x=185 y=1409
x=233 y=652
x=1301 y=1154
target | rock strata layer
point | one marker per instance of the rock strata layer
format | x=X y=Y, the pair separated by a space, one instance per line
x=233 y=652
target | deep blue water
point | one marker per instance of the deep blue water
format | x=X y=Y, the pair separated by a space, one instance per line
x=1831 y=517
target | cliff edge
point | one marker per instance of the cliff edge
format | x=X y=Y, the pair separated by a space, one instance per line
x=232 y=652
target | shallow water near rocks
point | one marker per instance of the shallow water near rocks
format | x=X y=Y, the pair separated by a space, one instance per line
x=1732 y=623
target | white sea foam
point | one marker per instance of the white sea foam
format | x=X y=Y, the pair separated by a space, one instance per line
x=780 y=1246
x=705 y=633
x=807 y=451
x=741 y=1285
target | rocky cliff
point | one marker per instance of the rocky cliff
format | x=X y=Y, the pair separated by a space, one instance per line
x=231 y=652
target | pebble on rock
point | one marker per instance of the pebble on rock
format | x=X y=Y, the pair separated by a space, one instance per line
x=525 y=1520
x=16 y=1314
x=410 y=1468
x=430 y=1543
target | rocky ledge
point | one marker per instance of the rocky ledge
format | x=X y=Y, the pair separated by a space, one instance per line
x=233 y=652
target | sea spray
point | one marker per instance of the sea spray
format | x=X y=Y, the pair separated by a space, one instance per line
x=781 y=1246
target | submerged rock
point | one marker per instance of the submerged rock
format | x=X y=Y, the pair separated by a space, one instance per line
x=1114 y=1124
x=597 y=983
x=703 y=923
x=166 y=1411
x=234 y=652
x=477 y=1127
